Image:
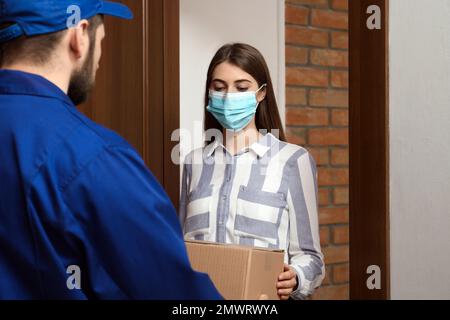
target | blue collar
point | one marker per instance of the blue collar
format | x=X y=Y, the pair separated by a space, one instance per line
x=22 y=83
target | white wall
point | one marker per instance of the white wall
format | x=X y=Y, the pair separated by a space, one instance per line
x=420 y=149
x=206 y=25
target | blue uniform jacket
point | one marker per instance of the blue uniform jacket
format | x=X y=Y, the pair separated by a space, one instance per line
x=81 y=217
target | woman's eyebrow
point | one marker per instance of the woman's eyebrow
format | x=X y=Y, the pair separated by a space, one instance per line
x=242 y=80
x=236 y=82
x=219 y=80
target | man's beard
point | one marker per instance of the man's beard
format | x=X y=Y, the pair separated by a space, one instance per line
x=82 y=81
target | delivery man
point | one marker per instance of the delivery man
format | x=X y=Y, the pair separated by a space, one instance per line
x=81 y=216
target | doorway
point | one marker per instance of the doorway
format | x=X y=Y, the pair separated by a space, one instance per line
x=144 y=107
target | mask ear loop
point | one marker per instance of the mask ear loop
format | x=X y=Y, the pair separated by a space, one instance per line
x=260 y=88
x=264 y=85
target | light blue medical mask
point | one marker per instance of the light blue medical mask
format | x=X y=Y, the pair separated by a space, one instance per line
x=234 y=111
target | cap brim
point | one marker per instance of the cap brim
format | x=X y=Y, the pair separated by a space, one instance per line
x=116 y=9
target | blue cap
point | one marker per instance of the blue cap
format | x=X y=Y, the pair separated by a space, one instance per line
x=34 y=17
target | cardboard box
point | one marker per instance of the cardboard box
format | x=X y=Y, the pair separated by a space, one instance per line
x=238 y=272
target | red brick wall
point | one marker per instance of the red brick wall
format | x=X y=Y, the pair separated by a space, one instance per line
x=317 y=118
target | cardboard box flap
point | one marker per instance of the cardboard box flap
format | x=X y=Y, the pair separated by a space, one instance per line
x=239 y=247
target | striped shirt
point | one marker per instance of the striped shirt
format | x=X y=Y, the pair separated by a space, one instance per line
x=264 y=196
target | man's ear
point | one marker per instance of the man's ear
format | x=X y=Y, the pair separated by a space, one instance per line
x=79 y=39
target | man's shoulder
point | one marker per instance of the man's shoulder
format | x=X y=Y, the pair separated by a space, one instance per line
x=85 y=143
x=101 y=135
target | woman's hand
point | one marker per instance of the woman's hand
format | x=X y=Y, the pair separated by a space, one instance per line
x=287 y=282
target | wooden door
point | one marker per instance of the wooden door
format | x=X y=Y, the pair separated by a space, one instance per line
x=137 y=88
x=369 y=150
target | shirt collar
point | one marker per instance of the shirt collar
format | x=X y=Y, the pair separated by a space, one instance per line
x=260 y=148
x=23 y=83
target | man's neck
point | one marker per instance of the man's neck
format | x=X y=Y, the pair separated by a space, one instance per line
x=60 y=79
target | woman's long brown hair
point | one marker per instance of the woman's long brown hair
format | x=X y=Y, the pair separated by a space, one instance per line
x=251 y=61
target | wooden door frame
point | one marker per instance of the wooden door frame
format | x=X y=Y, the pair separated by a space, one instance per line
x=369 y=149
x=162 y=44
x=157 y=106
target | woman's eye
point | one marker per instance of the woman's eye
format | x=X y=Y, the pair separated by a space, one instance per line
x=219 y=89
x=242 y=89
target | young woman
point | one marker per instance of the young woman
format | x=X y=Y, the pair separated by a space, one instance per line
x=250 y=187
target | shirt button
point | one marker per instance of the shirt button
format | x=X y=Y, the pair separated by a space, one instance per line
x=224 y=197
